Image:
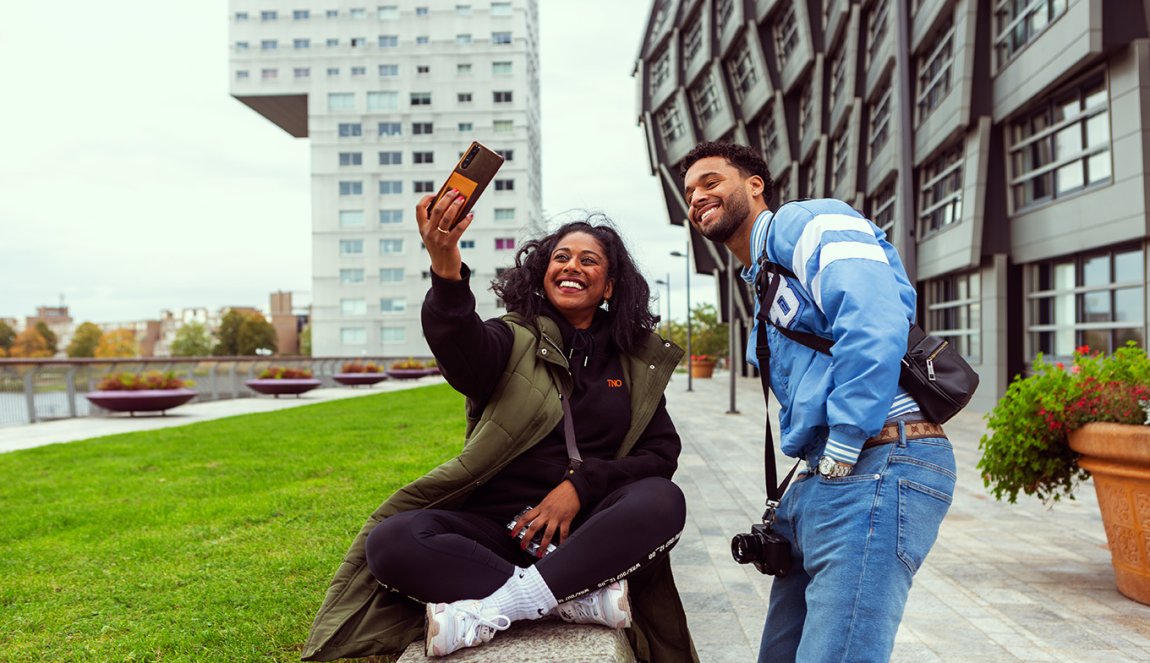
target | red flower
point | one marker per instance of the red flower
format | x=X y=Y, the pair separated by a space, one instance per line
x=1082 y=350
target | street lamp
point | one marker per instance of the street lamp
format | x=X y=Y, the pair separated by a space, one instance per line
x=687 y=255
x=668 y=284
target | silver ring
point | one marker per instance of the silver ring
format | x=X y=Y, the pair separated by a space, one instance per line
x=445 y=232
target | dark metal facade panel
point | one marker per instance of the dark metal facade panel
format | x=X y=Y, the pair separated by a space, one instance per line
x=288 y=112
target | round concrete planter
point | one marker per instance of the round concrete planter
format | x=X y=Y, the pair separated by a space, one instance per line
x=359 y=379
x=1118 y=457
x=409 y=373
x=282 y=387
x=144 y=400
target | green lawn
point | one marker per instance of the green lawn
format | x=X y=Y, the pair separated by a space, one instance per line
x=208 y=542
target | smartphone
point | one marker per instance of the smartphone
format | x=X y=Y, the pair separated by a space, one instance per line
x=475 y=170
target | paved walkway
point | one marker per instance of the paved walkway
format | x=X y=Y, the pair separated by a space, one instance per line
x=1004 y=583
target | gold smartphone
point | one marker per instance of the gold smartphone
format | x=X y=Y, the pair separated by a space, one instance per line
x=475 y=170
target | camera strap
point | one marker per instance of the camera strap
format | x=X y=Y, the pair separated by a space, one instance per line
x=574 y=459
x=775 y=489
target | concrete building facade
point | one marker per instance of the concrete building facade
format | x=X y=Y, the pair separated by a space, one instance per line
x=1003 y=145
x=390 y=95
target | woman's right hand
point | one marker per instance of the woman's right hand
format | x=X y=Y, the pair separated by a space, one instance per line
x=442 y=244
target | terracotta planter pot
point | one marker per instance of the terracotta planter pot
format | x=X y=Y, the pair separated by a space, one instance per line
x=144 y=400
x=702 y=369
x=283 y=387
x=1118 y=457
x=358 y=379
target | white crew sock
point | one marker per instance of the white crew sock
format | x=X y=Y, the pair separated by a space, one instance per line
x=525 y=595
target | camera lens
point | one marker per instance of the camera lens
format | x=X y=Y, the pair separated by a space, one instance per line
x=746 y=548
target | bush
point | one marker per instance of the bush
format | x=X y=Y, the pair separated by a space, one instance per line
x=140 y=381
x=408 y=364
x=356 y=367
x=282 y=373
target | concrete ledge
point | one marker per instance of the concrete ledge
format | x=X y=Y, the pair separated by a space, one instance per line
x=542 y=641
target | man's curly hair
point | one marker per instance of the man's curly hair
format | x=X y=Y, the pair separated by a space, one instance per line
x=747 y=160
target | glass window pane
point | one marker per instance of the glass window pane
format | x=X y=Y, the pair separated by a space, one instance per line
x=1096 y=270
x=1128 y=266
x=1124 y=335
x=1064 y=276
x=1128 y=303
x=1099 y=167
x=1043 y=311
x=1096 y=95
x=1098 y=130
x=1068 y=141
x=1097 y=339
x=1070 y=177
x=1096 y=307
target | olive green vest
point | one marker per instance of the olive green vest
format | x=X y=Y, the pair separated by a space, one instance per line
x=360 y=618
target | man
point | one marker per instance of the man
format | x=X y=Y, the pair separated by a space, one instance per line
x=862 y=517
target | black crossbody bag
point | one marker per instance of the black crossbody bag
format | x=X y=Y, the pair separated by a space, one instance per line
x=933 y=371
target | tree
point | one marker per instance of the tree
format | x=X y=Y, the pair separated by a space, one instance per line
x=31 y=344
x=305 y=341
x=242 y=334
x=49 y=337
x=7 y=336
x=117 y=343
x=708 y=335
x=192 y=340
x=85 y=340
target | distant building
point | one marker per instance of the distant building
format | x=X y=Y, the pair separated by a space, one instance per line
x=288 y=322
x=59 y=321
x=1003 y=146
x=390 y=95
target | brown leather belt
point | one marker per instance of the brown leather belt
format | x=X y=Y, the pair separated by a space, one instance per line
x=915 y=430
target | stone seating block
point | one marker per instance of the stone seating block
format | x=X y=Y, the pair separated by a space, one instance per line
x=542 y=641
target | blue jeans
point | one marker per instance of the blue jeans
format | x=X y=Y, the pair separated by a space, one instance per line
x=857 y=542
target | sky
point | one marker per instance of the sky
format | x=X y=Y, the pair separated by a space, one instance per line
x=131 y=182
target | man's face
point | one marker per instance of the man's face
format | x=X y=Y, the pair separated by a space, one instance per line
x=718 y=197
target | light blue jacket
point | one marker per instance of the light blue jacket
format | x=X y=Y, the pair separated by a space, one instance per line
x=850 y=287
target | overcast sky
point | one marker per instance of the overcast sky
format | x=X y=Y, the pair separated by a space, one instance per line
x=130 y=181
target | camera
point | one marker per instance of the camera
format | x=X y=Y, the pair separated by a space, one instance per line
x=768 y=551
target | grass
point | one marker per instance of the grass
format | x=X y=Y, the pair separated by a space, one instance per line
x=213 y=541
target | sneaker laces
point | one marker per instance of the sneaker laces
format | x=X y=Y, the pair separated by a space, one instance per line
x=481 y=629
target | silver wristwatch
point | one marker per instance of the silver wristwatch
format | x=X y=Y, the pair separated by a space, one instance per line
x=832 y=469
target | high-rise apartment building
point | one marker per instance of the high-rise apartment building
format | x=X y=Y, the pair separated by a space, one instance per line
x=1003 y=145
x=390 y=95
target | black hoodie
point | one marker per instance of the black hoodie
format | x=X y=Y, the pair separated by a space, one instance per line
x=472 y=354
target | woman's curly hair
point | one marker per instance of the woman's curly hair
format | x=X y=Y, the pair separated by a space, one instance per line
x=628 y=311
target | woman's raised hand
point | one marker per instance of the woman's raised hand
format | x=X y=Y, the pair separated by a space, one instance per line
x=443 y=244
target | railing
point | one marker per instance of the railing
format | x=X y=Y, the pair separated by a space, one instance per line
x=35 y=390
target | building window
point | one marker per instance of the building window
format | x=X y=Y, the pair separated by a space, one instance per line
x=934 y=79
x=389 y=187
x=331 y=13
x=660 y=69
x=268 y=15
x=331 y=42
x=391 y=275
x=350 y=218
x=806 y=109
x=351 y=158
x=392 y=305
x=463 y=38
x=465 y=127
x=382 y=101
x=1062 y=147
x=1019 y=22
x=876 y=27
x=388 y=41
x=742 y=70
x=341 y=101
x=670 y=122
x=769 y=133
x=389 y=216
x=241 y=16
x=501 y=68
x=351 y=247
x=390 y=246
x=878 y=131
x=838 y=75
x=333 y=71
x=353 y=306
x=359 y=71
x=503 y=126
x=463 y=97
x=301 y=43
x=269 y=74
x=467 y=244
x=1094 y=299
x=784 y=184
x=301 y=72
x=786 y=34
x=420 y=98
x=500 y=38
x=358 y=42
x=422 y=128
x=705 y=97
x=882 y=208
x=421 y=11
x=463 y=10
x=504 y=185
x=940 y=191
x=351 y=188
x=349 y=129
x=357 y=12
x=422 y=40
x=423 y=186
x=300 y=15
x=423 y=69
x=693 y=41
x=954 y=312
x=840 y=157
x=241 y=46
x=390 y=158
x=389 y=13
x=390 y=129
x=723 y=9
x=392 y=334
x=242 y=75
x=504 y=243
x=507 y=155
x=388 y=70
x=353 y=336
x=350 y=276
x=502 y=96
x=268 y=45
x=463 y=69
x=813 y=182
x=423 y=157
x=501 y=9
x=504 y=213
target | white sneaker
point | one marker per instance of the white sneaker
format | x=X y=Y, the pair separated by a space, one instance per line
x=608 y=606
x=452 y=626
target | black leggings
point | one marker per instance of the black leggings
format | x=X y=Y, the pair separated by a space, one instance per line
x=443 y=556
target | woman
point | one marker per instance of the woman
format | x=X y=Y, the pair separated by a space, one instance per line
x=566 y=416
